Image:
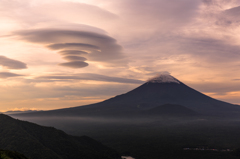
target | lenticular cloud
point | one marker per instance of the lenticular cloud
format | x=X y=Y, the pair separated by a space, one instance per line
x=77 y=47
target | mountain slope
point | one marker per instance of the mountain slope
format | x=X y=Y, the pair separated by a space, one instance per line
x=6 y=154
x=38 y=142
x=170 y=110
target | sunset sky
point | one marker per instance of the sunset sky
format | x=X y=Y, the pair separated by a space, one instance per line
x=64 y=53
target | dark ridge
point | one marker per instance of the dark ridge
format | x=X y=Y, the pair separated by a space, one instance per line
x=38 y=142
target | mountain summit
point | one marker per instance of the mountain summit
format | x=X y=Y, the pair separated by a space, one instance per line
x=160 y=90
x=163 y=78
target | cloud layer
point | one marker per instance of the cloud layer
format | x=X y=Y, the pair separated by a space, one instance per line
x=93 y=77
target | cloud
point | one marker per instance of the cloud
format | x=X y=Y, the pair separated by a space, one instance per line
x=173 y=11
x=159 y=15
x=229 y=17
x=23 y=109
x=93 y=46
x=75 y=58
x=33 y=13
x=8 y=74
x=59 y=35
x=211 y=50
x=72 y=52
x=90 y=76
x=11 y=64
x=73 y=46
x=74 y=64
x=233 y=11
x=216 y=87
x=221 y=14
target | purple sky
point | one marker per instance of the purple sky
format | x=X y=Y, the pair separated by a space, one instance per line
x=64 y=53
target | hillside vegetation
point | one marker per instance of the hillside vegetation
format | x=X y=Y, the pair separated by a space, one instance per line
x=6 y=154
x=38 y=142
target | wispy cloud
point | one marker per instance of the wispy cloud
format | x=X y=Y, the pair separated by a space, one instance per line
x=11 y=63
x=20 y=110
x=93 y=77
x=8 y=74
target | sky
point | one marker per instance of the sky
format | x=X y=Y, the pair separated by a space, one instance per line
x=63 y=53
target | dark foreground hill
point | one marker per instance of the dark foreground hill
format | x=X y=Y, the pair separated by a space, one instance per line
x=38 y=142
x=6 y=154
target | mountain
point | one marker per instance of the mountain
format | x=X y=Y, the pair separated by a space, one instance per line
x=160 y=90
x=38 y=142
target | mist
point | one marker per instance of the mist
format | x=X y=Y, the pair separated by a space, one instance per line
x=80 y=125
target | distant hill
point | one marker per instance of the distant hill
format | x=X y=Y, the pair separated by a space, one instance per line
x=18 y=112
x=171 y=110
x=39 y=142
x=6 y=154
